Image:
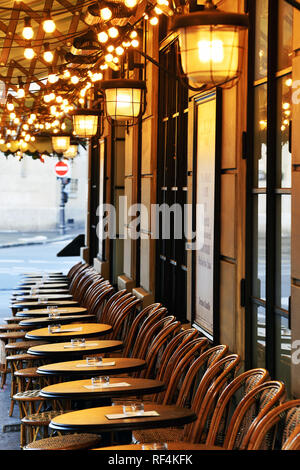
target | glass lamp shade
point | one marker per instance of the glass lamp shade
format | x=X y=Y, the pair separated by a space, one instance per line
x=210 y=45
x=71 y=152
x=124 y=98
x=60 y=143
x=85 y=123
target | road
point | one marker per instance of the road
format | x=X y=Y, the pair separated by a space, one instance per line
x=16 y=260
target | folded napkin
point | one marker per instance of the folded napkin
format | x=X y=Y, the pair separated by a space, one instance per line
x=120 y=384
x=133 y=414
x=81 y=346
x=70 y=329
x=97 y=364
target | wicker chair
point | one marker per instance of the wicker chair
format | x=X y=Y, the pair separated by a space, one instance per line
x=252 y=408
x=194 y=379
x=66 y=442
x=276 y=427
x=293 y=441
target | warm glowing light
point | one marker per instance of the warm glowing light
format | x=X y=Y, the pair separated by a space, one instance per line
x=29 y=53
x=85 y=123
x=102 y=37
x=48 y=56
x=286 y=106
x=74 y=79
x=12 y=116
x=49 y=26
x=133 y=34
x=110 y=48
x=130 y=3
x=60 y=143
x=71 y=152
x=106 y=14
x=119 y=50
x=109 y=57
x=21 y=93
x=289 y=82
x=123 y=98
x=154 y=20
x=52 y=78
x=134 y=43
x=27 y=32
x=113 y=32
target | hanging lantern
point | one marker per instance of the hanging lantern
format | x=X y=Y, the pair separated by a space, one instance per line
x=85 y=122
x=71 y=152
x=210 y=44
x=124 y=99
x=60 y=143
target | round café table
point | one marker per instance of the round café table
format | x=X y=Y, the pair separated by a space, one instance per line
x=95 y=420
x=117 y=387
x=32 y=298
x=43 y=286
x=75 y=369
x=37 y=305
x=75 y=330
x=44 y=312
x=170 y=446
x=66 y=350
x=44 y=321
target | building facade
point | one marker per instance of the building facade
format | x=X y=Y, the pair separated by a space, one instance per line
x=228 y=158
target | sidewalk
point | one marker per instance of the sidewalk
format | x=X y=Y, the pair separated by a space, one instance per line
x=14 y=239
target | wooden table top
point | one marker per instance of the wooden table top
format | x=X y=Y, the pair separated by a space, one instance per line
x=43 y=312
x=74 y=368
x=45 y=285
x=65 y=349
x=77 y=388
x=34 y=305
x=170 y=446
x=42 y=291
x=94 y=419
x=43 y=321
x=85 y=330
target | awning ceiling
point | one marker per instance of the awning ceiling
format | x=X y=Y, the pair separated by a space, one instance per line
x=77 y=50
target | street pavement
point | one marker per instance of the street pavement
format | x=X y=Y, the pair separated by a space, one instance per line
x=13 y=262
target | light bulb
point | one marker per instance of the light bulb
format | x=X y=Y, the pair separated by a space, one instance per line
x=21 y=93
x=74 y=79
x=154 y=20
x=30 y=121
x=29 y=53
x=27 y=32
x=96 y=77
x=102 y=36
x=48 y=56
x=106 y=14
x=158 y=11
x=110 y=48
x=52 y=96
x=10 y=106
x=133 y=34
x=25 y=127
x=33 y=116
x=109 y=57
x=49 y=26
x=113 y=32
x=59 y=99
x=12 y=116
x=52 y=78
x=53 y=109
x=66 y=74
x=119 y=50
x=134 y=43
x=115 y=60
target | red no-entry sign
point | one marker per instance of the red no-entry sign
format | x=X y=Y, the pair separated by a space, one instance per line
x=62 y=169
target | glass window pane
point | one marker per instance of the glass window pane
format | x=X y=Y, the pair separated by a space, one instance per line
x=283 y=351
x=284 y=167
x=261 y=43
x=260 y=137
x=259 y=337
x=285 y=34
x=259 y=246
x=283 y=251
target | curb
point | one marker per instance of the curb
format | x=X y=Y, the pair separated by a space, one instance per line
x=12 y=245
